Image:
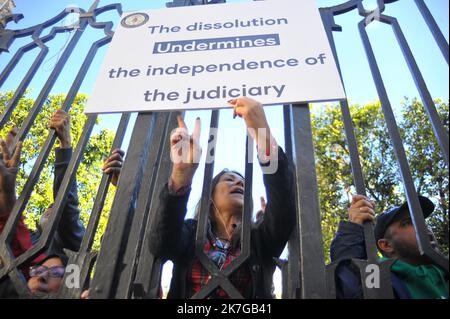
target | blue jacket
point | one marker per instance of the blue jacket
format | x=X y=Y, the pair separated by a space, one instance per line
x=346 y=245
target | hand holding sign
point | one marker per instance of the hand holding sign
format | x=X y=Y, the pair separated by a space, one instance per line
x=253 y=114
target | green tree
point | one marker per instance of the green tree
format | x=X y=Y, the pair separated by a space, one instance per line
x=89 y=172
x=381 y=173
x=428 y=167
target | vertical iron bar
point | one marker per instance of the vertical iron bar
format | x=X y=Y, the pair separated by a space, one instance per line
x=103 y=188
x=22 y=87
x=438 y=128
x=247 y=211
x=37 y=42
x=246 y=223
x=369 y=236
x=13 y=62
x=20 y=284
x=109 y=262
x=219 y=278
x=61 y=199
x=148 y=270
x=292 y=269
x=83 y=257
x=358 y=179
x=408 y=182
x=312 y=261
x=131 y=256
x=357 y=173
x=434 y=28
x=48 y=144
x=28 y=122
x=201 y=237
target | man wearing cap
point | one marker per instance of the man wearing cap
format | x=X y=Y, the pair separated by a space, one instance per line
x=412 y=275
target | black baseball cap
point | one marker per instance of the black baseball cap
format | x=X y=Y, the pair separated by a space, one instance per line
x=383 y=220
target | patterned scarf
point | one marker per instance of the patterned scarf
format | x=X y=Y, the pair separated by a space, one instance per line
x=219 y=251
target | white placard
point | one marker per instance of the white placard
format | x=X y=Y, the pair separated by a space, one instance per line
x=199 y=57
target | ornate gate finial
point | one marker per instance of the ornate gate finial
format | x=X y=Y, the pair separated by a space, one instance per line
x=90 y=13
x=6 y=14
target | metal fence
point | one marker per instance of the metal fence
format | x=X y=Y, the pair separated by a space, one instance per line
x=124 y=266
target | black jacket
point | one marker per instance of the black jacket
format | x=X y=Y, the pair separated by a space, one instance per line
x=70 y=231
x=348 y=244
x=173 y=237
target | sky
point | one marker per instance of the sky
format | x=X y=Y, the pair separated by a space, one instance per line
x=357 y=78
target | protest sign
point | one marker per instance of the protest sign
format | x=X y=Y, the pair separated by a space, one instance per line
x=200 y=57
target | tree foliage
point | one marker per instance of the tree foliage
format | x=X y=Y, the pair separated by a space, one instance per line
x=381 y=172
x=89 y=172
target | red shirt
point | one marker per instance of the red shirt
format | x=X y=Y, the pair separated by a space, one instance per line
x=21 y=241
x=241 y=278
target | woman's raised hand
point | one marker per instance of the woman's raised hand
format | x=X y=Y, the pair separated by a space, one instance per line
x=185 y=152
x=253 y=114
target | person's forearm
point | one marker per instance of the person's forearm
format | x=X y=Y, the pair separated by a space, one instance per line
x=7 y=201
x=70 y=228
x=348 y=242
x=267 y=147
x=62 y=159
x=65 y=143
x=166 y=233
x=279 y=216
x=264 y=137
x=181 y=180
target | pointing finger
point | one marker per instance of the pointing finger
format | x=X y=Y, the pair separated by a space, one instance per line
x=263 y=203
x=10 y=137
x=16 y=156
x=181 y=122
x=197 y=129
x=5 y=150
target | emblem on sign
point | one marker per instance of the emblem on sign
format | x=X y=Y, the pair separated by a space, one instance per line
x=135 y=20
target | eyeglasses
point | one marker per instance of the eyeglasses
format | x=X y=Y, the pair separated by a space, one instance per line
x=52 y=272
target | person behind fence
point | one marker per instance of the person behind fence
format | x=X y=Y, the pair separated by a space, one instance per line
x=21 y=241
x=173 y=237
x=47 y=276
x=47 y=270
x=413 y=276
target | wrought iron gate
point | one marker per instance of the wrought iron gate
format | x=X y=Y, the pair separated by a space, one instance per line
x=124 y=266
